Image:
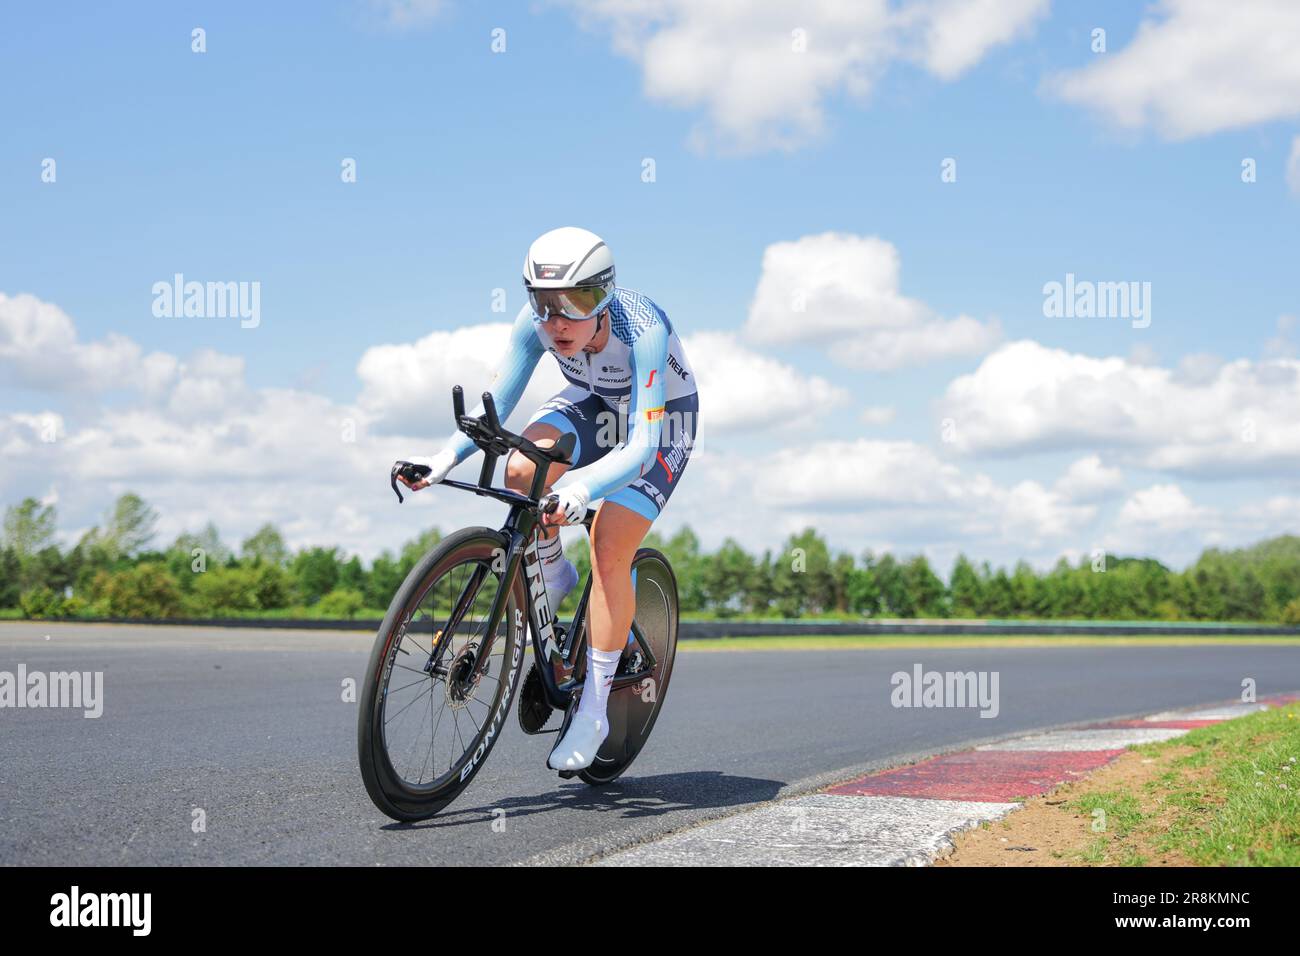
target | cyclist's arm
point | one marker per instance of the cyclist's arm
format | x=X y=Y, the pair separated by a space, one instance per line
x=645 y=418
x=513 y=372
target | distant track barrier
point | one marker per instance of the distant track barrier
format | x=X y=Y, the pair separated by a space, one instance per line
x=796 y=628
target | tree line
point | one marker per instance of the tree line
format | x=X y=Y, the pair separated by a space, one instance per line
x=115 y=570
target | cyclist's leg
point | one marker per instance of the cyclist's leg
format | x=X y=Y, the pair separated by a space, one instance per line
x=615 y=535
x=622 y=523
x=620 y=526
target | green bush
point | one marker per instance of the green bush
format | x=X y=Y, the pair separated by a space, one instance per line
x=1291 y=613
x=225 y=589
x=343 y=602
x=272 y=586
x=145 y=591
x=41 y=602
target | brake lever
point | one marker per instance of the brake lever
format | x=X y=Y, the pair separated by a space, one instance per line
x=411 y=472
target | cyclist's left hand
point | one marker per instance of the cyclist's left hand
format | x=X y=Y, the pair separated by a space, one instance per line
x=572 y=507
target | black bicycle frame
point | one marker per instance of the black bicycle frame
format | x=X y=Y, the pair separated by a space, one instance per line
x=520 y=527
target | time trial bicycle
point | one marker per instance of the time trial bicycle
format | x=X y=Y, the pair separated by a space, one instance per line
x=449 y=654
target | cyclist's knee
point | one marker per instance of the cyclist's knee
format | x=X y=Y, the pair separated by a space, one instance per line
x=519 y=472
x=610 y=554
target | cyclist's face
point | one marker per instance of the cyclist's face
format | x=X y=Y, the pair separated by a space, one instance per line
x=570 y=336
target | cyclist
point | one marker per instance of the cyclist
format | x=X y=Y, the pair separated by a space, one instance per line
x=631 y=404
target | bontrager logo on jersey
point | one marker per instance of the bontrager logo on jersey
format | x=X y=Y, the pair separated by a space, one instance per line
x=672 y=462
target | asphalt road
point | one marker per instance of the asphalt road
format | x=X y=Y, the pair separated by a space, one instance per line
x=249 y=729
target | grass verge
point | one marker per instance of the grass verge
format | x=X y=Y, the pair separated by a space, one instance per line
x=1222 y=795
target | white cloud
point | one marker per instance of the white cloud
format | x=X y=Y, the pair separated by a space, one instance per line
x=39 y=348
x=408 y=386
x=1162 y=520
x=743 y=389
x=877 y=415
x=1087 y=479
x=1197 y=67
x=842 y=291
x=1211 y=420
x=762 y=69
x=1163 y=508
x=956 y=34
x=403 y=14
x=906 y=488
x=1283 y=344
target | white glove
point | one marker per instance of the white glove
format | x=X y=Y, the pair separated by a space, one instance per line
x=439 y=465
x=573 y=502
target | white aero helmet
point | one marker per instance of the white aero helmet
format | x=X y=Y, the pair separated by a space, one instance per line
x=570 y=272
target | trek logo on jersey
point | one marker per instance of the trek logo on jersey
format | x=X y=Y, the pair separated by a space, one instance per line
x=650 y=491
x=676 y=367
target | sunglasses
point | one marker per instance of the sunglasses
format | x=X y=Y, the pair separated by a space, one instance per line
x=576 y=304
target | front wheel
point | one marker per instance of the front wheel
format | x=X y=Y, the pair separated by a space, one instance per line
x=438 y=686
x=633 y=710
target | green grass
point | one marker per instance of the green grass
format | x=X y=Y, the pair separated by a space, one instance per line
x=1242 y=806
x=1233 y=800
x=1121 y=809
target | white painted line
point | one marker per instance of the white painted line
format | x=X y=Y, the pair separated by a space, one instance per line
x=1104 y=739
x=1224 y=712
x=820 y=829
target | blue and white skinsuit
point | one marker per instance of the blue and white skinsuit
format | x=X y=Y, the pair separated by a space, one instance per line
x=641 y=376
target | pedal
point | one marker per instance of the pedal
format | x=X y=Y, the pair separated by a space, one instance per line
x=567 y=774
x=533 y=711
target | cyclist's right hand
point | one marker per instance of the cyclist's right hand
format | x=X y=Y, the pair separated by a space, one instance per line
x=439 y=465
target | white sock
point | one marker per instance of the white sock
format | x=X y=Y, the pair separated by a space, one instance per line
x=600 y=675
x=550 y=552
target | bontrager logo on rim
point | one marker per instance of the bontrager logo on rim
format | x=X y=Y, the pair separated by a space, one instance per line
x=486 y=743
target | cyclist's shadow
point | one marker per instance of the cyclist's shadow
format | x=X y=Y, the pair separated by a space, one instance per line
x=633 y=798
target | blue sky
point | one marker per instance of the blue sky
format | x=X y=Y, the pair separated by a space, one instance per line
x=225 y=166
